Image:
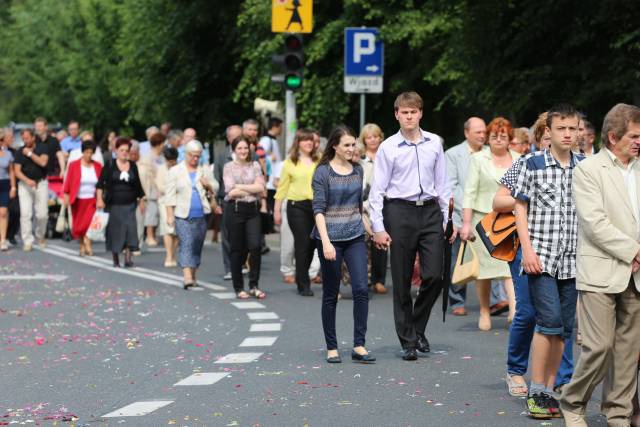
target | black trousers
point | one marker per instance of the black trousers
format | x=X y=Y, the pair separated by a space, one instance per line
x=414 y=230
x=300 y=217
x=379 y=259
x=244 y=228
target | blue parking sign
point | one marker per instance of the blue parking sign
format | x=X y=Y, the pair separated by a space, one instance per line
x=363 y=60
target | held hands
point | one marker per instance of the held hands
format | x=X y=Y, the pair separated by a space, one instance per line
x=382 y=240
x=328 y=251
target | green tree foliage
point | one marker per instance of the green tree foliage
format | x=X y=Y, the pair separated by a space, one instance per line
x=201 y=63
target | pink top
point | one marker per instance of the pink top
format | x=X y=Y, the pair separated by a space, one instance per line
x=235 y=173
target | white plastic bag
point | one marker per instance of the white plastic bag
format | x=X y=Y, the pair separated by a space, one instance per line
x=96 y=232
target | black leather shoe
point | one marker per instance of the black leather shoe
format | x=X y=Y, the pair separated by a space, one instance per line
x=423 y=344
x=362 y=358
x=306 y=293
x=334 y=359
x=409 y=354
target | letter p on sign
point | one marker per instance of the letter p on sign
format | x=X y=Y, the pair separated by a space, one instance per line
x=364 y=44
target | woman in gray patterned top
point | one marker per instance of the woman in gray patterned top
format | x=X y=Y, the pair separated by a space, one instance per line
x=339 y=232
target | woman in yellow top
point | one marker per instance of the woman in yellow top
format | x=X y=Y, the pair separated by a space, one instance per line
x=485 y=170
x=295 y=187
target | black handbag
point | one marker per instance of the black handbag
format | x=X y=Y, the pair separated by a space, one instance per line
x=268 y=226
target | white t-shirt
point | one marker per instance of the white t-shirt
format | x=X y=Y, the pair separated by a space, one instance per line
x=270 y=146
x=88 y=181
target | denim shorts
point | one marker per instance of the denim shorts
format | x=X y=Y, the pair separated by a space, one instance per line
x=555 y=303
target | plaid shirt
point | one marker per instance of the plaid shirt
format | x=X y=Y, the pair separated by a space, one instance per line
x=510 y=177
x=552 y=219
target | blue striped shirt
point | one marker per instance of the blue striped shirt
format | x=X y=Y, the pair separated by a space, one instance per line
x=339 y=198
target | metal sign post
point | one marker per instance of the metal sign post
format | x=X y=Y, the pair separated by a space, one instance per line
x=291 y=123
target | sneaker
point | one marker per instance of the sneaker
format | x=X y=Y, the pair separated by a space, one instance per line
x=27 y=247
x=245 y=271
x=553 y=406
x=538 y=406
x=42 y=243
x=4 y=246
x=227 y=276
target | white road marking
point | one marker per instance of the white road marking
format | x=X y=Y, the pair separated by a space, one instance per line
x=223 y=295
x=138 y=409
x=239 y=358
x=38 y=276
x=258 y=342
x=202 y=378
x=159 y=276
x=247 y=305
x=265 y=327
x=263 y=315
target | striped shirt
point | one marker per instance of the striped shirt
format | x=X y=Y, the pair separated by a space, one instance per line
x=552 y=220
x=339 y=198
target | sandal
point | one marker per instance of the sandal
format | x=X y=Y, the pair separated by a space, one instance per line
x=516 y=389
x=242 y=295
x=257 y=293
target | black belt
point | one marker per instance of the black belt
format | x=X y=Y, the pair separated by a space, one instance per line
x=415 y=203
x=298 y=202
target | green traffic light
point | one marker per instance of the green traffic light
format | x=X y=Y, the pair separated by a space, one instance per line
x=293 y=82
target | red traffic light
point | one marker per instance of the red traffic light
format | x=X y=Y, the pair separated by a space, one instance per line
x=293 y=42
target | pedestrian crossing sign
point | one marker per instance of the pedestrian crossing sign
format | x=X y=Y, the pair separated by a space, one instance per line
x=292 y=16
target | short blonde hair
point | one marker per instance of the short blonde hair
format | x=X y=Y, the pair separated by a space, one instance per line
x=368 y=129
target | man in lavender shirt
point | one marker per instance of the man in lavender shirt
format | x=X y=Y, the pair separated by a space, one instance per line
x=408 y=200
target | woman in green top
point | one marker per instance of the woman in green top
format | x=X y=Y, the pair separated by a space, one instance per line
x=295 y=187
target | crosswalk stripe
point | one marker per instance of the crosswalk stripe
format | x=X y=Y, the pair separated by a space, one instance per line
x=138 y=409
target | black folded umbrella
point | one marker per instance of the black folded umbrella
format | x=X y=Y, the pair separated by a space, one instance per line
x=446 y=261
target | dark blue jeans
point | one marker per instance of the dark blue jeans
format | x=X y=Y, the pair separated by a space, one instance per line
x=522 y=329
x=354 y=254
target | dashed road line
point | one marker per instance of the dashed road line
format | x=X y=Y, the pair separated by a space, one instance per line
x=265 y=327
x=258 y=342
x=138 y=409
x=223 y=295
x=202 y=378
x=248 y=305
x=269 y=315
x=239 y=358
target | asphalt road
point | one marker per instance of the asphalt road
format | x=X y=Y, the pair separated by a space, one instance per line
x=84 y=344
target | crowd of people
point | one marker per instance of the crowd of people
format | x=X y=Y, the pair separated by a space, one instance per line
x=349 y=208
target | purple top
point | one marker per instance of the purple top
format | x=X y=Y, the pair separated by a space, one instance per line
x=408 y=171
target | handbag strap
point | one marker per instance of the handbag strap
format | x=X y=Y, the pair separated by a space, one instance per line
x=493 y=227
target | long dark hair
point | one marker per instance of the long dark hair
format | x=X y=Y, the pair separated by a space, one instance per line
x=334 y=139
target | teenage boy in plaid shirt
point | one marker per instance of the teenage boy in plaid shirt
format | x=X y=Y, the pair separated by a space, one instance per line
x=547 y=225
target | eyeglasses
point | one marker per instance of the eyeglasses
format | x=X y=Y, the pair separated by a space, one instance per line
x=494 y=137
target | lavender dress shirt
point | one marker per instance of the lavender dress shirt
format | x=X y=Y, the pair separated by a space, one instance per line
x=408 y=171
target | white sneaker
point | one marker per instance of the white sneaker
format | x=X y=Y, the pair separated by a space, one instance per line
x=4 y=246
x=227 y=276
x=27 y=247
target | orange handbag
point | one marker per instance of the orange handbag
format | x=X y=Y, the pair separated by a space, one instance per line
x=497 y=230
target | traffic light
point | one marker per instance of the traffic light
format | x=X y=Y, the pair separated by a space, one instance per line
x=291 y=62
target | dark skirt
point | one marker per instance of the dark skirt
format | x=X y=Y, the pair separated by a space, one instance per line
x=5 y=186
x=191 y=233
x=82 y=211
x=122 y=229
